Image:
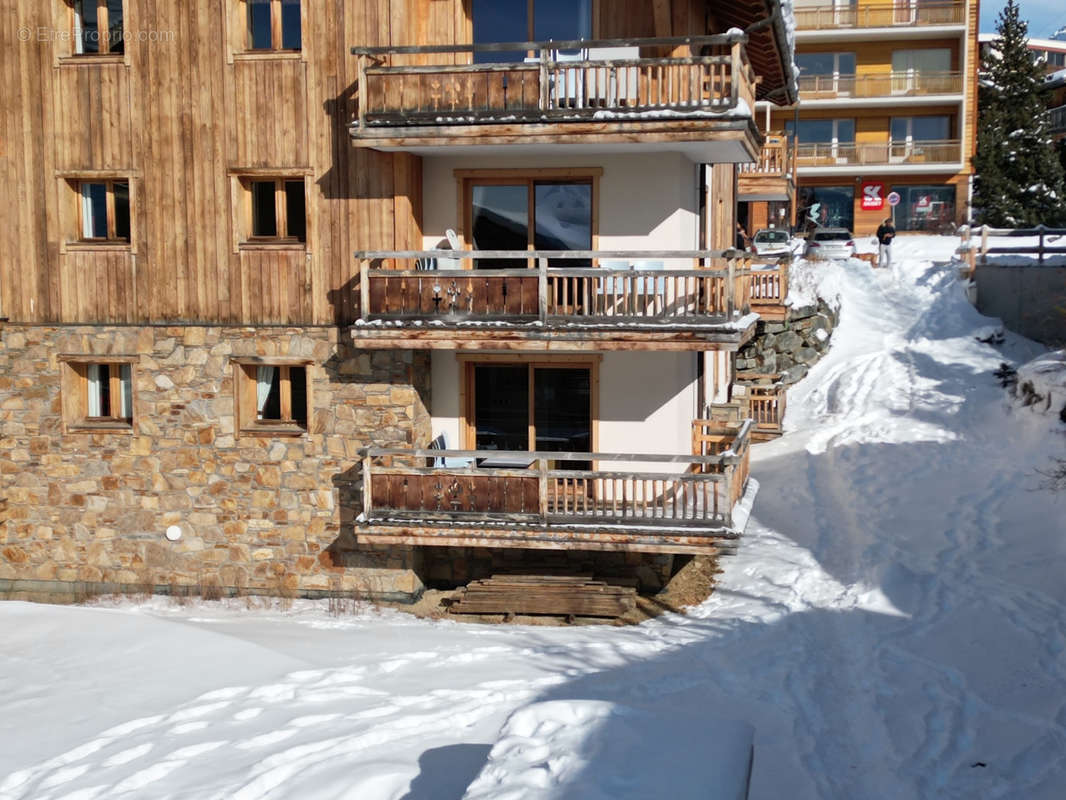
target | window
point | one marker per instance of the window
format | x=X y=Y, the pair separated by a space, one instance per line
x=921 y=129
x=276 y=210
x=826 y=72
x=98 y=27
x=826 y=207
x=528 y=21
x=822 y=131
x=104 y=210
x=97 y=394
x=924 y=208
x=274 y=25
x=272 y=397
x=521 y=212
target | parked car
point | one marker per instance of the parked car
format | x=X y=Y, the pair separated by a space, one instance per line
x=830 y=243
x=771 y=242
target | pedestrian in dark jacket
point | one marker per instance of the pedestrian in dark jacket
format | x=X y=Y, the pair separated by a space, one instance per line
x=885 y=234
x=742 y=238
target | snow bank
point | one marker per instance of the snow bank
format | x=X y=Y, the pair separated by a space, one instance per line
x=809 y=281
x=1046 y=376
x=598 y=750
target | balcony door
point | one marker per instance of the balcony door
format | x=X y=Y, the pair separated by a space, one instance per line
x=528 y=21
x=912 y=136
x=541 y=406
x=910 y=66
x=530 y=213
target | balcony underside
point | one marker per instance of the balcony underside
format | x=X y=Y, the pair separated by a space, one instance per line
x=718 y=138
x=754 y=187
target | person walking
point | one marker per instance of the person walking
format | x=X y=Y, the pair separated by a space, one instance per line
x=742 y=238
x=885 y=234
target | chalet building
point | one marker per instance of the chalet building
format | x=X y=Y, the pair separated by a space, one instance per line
x=357 y=296
x=888 y=104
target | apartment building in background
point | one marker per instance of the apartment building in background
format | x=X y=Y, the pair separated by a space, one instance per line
x=888 y=95
x=360 y=296
x=1051 y=54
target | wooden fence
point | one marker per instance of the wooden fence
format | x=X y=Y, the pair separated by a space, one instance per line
x=974 y=242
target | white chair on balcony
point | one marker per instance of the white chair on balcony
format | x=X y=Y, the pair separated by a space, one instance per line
x=429 y=263
x=448 y=462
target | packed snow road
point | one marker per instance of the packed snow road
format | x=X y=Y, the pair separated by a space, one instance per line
x=893 y=627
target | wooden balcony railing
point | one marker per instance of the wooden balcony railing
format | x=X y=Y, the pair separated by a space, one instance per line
x=889 y=84
x=775 y=158
x=946 y=151
x=764 y=399
x=691 y=493
x=714 y=289
x=548 y=88
x=888 y=15
x=769 y=288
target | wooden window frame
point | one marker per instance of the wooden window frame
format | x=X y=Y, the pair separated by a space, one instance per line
x=74 y=392
x=244 y=397
x=102 y=23
x=468 y=178
x=240 y=35
x=242 y=207
x=112 y=238
x=467 y=364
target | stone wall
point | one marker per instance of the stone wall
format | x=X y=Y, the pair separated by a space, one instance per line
x=1030 y=300
x=258 y=513
x=790 y=347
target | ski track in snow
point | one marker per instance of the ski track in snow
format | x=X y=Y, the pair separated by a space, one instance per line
x=889 y=622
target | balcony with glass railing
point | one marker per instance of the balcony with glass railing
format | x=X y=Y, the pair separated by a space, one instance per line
x=905 y=154
x=900 y=15
x=580 y=92
x=886 y=85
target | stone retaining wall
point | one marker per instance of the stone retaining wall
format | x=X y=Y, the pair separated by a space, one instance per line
x=790 y=347
x=258 y=513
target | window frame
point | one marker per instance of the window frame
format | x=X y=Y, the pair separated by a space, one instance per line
x=248 y=421
x=103 y=43
x=243 y=223
x=112 y=237
x=241 y=37
x=74 y=392
x=468 y=178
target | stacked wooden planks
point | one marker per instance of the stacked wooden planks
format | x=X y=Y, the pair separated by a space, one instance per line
x=557 y=595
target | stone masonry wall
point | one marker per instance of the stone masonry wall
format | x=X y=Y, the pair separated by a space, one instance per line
x=790 y=347
x=259 y=514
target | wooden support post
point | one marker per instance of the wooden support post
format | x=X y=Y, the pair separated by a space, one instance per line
x=542 y=289
x=731 y=270
x=361 y=77
x=368 y=499
x=364 y=288
x=542 y=474
x=984 y=244
x=545 y=98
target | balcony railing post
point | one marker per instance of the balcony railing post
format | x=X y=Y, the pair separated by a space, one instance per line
x=367 y=496
x=361 y=78
x=736 y=74
x=545 y=99
x=542 y=480
x=542 y=289
x=731 y=278
x=364 y=289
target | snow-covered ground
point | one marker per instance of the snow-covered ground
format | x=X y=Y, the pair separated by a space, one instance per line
x=894 y=626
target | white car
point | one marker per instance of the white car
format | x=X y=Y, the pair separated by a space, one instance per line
x=830 y=243
x=771 y=242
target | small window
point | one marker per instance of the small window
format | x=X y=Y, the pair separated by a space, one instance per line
x=105 y=211
x=278 y=210
x=98 y=394
x=99 y=27
x=272 y=397
x=274 y=25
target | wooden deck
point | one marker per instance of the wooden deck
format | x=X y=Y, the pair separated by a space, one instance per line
x=699 y=78
x=704 y=305
x=639 y=502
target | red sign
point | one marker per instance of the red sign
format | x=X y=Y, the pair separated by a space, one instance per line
x=873 y=196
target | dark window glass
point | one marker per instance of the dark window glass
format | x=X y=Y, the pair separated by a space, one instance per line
x=815 y=63
x=501 y=407
x=264 y=216
x=295 y=210
x=500 y=221
x=259 y=25
x=122 y=210
x=298 y=385
x=500 y=21
x=90 y=30
x=846 y=131
x=924 y=208
x=563 y=219
x=94 y=198
x=290 y=25
x=931 y=129
x=826 y=206
x=104 y=385
x=562 y=412
x=900 y=129
x=562 y=20
x=272 y=406
x=116 y=40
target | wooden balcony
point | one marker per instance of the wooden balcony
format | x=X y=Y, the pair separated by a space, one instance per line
x=772 y=175
x=704 y=305
x=637 y=502
x=681 y=90
x=915 y=153
x=763 y=402
x=888 y=84
x=888 y=15
x=769 y=288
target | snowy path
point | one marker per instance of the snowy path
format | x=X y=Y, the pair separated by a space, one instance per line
x=895 y=619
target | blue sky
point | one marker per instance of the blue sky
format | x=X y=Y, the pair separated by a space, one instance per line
x=1044 y=16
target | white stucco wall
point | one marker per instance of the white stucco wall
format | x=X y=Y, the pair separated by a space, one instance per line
x=645 y=203
x=647 y=402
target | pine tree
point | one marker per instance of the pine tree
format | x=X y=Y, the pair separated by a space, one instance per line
x=1019 y=179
